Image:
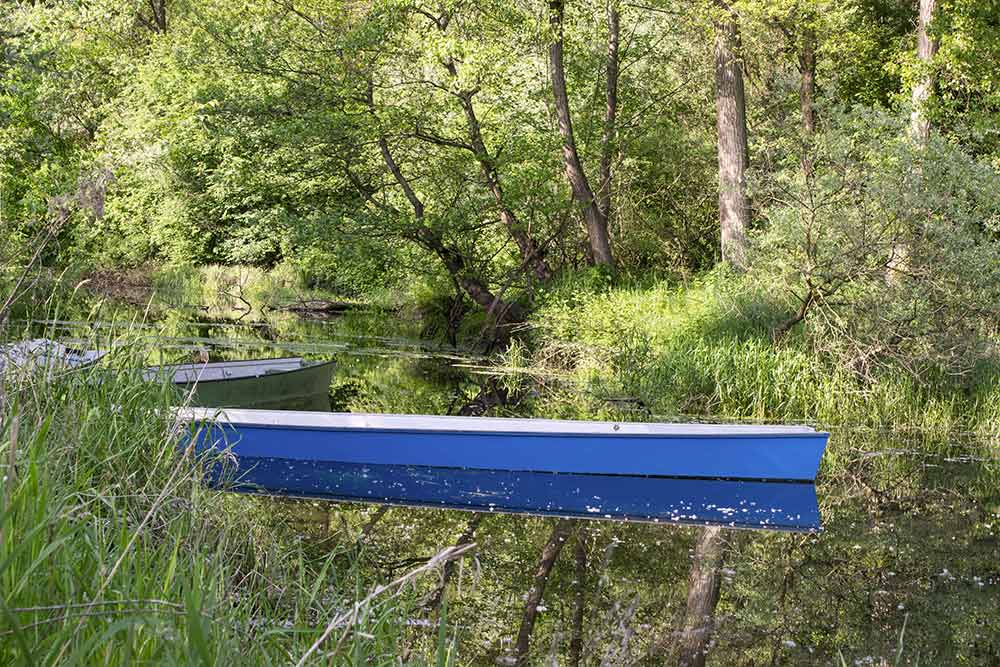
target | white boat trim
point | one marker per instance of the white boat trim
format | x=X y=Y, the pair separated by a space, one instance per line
x=224 y=370
x=363 y=421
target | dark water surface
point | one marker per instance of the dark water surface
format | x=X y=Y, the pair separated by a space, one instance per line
x=906 y=568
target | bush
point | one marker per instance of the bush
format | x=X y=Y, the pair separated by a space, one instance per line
x=888 y=250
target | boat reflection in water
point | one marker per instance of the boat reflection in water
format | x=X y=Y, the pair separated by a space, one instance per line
x=737 y=476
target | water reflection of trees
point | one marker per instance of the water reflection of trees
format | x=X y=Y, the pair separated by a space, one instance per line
x=909 y=541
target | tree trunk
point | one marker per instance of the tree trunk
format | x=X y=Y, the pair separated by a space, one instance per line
x=453 y=260
x=731 y=123
x=550 y=553
x=779 y=331
x=703 y=594
x=579 y=599
x=920 y=126
x=595 y=219
x=610 y=111
x=434 y=602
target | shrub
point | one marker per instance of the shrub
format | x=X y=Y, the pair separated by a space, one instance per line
x=887 y=249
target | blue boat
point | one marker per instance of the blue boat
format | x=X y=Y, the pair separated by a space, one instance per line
x=735 y=475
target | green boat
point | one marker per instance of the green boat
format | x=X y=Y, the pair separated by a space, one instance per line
x=290 y=383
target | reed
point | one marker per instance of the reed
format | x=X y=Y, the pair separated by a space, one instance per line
x=113 y=551
x=686 y=352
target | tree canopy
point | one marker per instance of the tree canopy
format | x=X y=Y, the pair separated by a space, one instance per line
x=486 y=147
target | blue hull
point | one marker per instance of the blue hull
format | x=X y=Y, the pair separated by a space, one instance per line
x=739 y=476
x=738 y=457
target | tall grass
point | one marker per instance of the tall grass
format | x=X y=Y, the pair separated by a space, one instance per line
x=688 y=351
x=113 y=551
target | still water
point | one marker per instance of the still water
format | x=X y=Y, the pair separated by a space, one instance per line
x=906 y=568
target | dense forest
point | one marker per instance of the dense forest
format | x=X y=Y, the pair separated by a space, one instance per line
x=843 y=152
x=690 y=210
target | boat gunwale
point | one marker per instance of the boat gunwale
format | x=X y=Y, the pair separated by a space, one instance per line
x=489 y=426
x=543 y=434
x=191 y=365
x=310 y=365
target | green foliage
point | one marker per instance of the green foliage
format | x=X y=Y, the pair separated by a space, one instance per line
x=888 y=250
x=113 y=550
x=967 y=97
x=242 y=135
x=352 y=265
x=227 y=145
x=865 y=58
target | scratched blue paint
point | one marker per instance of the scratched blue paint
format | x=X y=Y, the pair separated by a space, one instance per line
x=793 y=457
x=738 y=504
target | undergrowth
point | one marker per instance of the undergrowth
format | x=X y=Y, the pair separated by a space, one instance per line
x=113 y=551
x=704 y=350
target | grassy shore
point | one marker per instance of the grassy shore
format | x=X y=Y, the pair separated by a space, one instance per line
x=113 y=551
x=699 y=351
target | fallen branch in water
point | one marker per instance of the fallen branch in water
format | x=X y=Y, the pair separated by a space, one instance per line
x=249 y=307
x=318 y=307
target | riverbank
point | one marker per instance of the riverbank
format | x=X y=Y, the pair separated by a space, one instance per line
x=704 y=350
x=113 y=551
x=111 y=539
